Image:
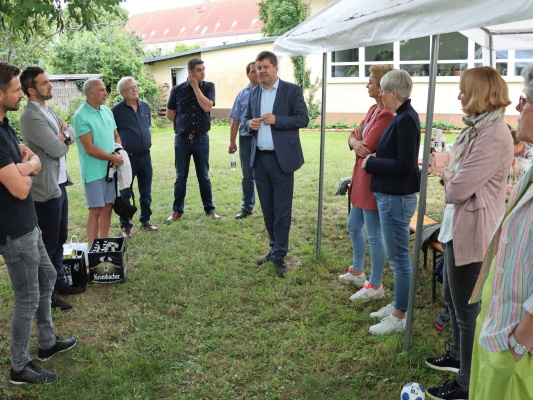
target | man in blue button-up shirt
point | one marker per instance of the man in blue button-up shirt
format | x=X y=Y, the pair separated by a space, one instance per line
x=238 y=114
x=189 y=105
x=133 y=124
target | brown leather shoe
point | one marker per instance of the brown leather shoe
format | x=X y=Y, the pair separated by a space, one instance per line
x=58 y=302
x=147 y=226
x=213 y=214
x=174 y=216
x=126 y=231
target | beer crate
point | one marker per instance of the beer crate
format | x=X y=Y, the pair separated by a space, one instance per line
x=107 y=260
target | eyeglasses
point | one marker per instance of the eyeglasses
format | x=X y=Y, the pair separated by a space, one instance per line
x=523 y=101
x=130 y=89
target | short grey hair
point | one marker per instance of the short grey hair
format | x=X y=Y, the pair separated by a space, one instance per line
x=397 y=80
x=123 y=81
x=527 y=74
x=89 y=85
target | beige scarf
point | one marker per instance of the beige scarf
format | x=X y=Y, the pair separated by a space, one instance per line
x=475 y=123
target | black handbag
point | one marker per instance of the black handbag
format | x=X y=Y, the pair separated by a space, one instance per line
x=122 y=207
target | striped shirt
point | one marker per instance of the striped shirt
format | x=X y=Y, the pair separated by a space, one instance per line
x=511 y=252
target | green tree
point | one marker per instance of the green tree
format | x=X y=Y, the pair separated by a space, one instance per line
x=37 y=17
x=278 y=17
x=107 y=50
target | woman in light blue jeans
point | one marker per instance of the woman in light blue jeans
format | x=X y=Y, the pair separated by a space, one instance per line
x=364 y=212
x=395 y=182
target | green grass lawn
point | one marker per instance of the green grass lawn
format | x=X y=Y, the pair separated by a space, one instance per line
x=197 y=319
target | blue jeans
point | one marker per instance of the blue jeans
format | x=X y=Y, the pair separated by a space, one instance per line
x=198 y=148
x=370 y=219
x=141 y=167
x=52 y=217
x=248 y=183
x=395 y=213
x=32 y=278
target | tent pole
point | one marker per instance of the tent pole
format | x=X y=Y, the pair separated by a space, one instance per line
x=322 y=145
x=491 y=49
x=423 y=190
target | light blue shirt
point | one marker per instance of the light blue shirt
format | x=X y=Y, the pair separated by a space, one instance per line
x=264 y=135
x=239 y=109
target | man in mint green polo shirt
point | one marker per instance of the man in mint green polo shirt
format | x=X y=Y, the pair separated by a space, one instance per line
x=96 y=136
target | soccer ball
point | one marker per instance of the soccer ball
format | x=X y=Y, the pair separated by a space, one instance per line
x=413 y=391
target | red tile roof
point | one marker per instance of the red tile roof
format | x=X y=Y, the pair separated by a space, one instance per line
x=207 y=19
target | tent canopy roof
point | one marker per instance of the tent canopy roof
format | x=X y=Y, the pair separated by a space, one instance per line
x=346 y=24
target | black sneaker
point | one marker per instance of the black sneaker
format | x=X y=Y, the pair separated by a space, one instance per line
x=31 y=373
x=444 y=362
x=60 y=346
x=448 y=391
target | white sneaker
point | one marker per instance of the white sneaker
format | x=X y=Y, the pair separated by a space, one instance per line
x=348 y=277
x=383 y=312
x=389 y=324
x=368 y=293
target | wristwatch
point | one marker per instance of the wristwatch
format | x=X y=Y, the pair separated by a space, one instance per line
x=518 y=348
x=67 y=137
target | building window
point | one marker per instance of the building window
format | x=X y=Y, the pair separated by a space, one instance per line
x=456 y=54
x=344 y=63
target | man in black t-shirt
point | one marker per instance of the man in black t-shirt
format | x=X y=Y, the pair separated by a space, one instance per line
x=189 y=106
x=32 y=274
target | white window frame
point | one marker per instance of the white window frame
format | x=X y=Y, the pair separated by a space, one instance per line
x=396 y=62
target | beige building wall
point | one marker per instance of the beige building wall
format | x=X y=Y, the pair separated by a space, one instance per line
x=226 y=68
x=345 y=99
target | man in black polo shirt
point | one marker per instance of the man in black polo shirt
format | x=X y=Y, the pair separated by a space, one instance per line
x=133 y=120
x=189 y=106
x=32 y=274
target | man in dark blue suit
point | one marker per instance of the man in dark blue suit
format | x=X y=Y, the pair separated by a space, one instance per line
x=276 y=112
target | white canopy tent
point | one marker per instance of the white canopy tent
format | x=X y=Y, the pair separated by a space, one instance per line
x=346 y=24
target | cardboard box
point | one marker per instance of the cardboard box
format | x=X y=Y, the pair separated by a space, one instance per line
x=107 y=260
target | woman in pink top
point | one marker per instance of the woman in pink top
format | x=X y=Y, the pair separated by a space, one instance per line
x=364 y=212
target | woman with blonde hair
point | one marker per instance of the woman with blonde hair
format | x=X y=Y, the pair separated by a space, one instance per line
x=474 y=185
x=364 y=212
x=502 y=361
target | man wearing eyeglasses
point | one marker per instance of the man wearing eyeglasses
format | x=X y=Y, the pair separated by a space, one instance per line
x=133 y=124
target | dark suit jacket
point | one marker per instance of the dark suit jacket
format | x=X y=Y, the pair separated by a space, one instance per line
x=395 y=168
x=291 y=115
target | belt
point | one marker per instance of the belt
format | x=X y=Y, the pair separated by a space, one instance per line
x=266 y=151
x=191 y=136
x=142 y=153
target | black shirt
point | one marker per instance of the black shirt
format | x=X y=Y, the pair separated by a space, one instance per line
x=190 y=117
x=17 y=216
x=133 y=127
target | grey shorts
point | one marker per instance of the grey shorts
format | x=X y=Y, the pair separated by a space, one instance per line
x=99 y=193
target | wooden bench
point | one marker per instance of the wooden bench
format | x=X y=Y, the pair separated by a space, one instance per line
x=435 y=246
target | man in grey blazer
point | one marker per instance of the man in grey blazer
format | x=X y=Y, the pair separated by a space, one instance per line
x=276 y=112
x=49 y=137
